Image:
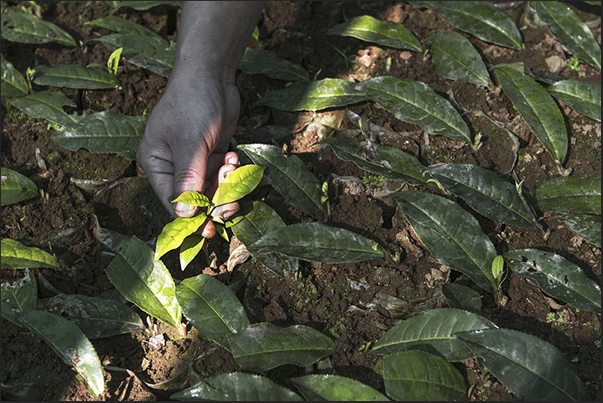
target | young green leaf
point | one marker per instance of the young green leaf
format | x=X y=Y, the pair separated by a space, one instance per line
x=190 y=247
x=537 y=108
x=478 y=18
x=16 y=187
x=238 y=184
x=319 y=387
x=454 y=57
x=212 y=308
x=484 y=191
x=193 y=199
x=122 y=26
x=74 y=76
x=68 y=341
x=47 y=105
x=237 y=386
x=19 y=296
x=145 y=282
x=433 y=331
x=452 y=235
x=290 y=177
x=498 y=265
x=385 y=33
x=414 y=102
x=174 y=233
x=15 y=255
x=270 y=65
x=571 y=32
x=420 y=376
x=263 y=346
x=581 y=96
x=317 y=242
x=528 y=366
x=586 y=226
x=28 y=28
x=573 y=194
x=313 y=95
x=557 y=277
x=104 y=132
x=113 y=62
x=13 y=83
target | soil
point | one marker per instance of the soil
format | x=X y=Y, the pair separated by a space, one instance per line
x=326 y=297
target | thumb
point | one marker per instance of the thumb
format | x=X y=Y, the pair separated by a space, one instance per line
x=189 y=175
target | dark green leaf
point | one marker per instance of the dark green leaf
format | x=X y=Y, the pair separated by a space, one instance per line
x=122 y=26
x=567 y=27
x=28 y=28
x=104 y=132
x=16 y=187
x=581 y=96
x=462 y=297
x=385 y=33
x=75 y=76
x=211 y=307
x=573 y=194
x=317 y=242
x=13 y=82
x=238 y=183
x=433 y=331
x=15 y=255
x=529 y=367
x=290 y=177
x=557 y=277
x=586 y=226
x=144 y=5
x=264 y=346
x=484 y=191
x=420 y=376
x=145 y=282
x=335 y=388
x=414 y=102
x=269 y=64
x=452 y=235
x=454 y=57
x=19 y=296
x=174 y=233
x=47 y=105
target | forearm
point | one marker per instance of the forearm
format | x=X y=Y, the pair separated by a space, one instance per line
x=213 y=35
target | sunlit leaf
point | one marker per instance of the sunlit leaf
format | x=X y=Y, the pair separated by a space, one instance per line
x=174 y=233
x=385 y=33
x=193 y=198
x=74 y=76
x=238 y=183
x=581 y=96
x=586 y=226
x=270 y=65
x=19 y=296
x=13 y=82
x=47 y=105
x=122 y=26
x=528 y=366
x=320 y=387
x=28 y=28
x=557 y=277
x=572 y=194
x=16 y=187
x=15 y=255
x=190 y=248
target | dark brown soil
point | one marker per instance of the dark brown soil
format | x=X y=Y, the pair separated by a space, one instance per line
x=63 y=222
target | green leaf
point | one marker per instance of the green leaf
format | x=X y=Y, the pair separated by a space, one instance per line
x=193 y=198
x=15 y=187
x=385 y=33
x=581 y=96
x=484 y=191
x=238 y=184
x=144 y=5
x=453 y=236
x=237 y=386
x=433 y=331
x=13 y=82
x=462 y=297
x=320 y=387
x=454 y=57
x=104 y=132
x=313 y=95
x=122 y=26
x=75 y=76
x=586 y=226
x=270 y=65
x=420 y=376
x=572 y=194
x=264 y=346
x=19 y=296
x=47 y=105
x=15 y=255
x=389 y=162
x=537 y=108
x=290 y=177
x=190 y=248
x=69 y=343
x=145 y=282
x=257 y=223
x=28 y=28
x=149 y=52
x=317 y=242
x=478 y=18
x=174 y=233
x=414 y=102
x=212 y=308
x=529 y=367
x=557 y=277
x=571 y=32
x=96 y=317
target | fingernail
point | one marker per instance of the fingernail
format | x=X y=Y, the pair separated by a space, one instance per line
x=184 y=210
x=233 y=160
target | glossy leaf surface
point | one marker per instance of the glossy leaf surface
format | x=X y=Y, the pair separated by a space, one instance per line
x=415 y=102
x=13 y=83
x=145 y=282
x=193 y=199
x=290 y=177
x=433 y=331
x=557 y=277
x=28 y=28
x=211 y=307
x=174 y=233
x=451 y=234
x=317 y=242
x=47 y=105
x=270 y=65
x=581 y=96
x=16 y=187
x=572 y=194
x=238 y=183
x=320 y=387
x=528 y=366
x=190 y=248
x=15 y=255
x=454 y=57
x=385 y=33
x=586 y=226
x=19 y=296
x=74 y=76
